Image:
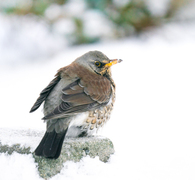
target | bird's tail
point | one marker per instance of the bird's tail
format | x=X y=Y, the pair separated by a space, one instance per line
x=51 y=144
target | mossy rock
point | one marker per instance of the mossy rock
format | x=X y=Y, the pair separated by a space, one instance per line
x=74 y=149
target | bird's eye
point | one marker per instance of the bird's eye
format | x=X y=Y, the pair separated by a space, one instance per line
x=98 y=64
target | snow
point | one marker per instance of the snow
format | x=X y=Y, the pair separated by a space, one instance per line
x=18 y=166
x=152 y=125
x=25 y=38
x=53 y=11
x=158 y=7
x=23 y=137
x=187 y=12
x=96 y=24
x=75 y=8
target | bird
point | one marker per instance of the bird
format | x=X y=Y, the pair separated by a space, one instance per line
x=77 y=102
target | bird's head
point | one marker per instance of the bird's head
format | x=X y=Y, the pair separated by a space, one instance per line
x=97 y=62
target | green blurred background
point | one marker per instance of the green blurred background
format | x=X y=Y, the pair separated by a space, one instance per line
x=114 y=18
x=33 y=30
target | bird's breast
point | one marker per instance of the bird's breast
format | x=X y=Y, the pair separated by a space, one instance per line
x=88 y=123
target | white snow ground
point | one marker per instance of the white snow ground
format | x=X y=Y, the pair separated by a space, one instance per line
x=153 y=122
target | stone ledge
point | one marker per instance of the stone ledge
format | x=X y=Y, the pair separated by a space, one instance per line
x=74 y=149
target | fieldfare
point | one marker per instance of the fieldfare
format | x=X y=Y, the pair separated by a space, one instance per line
x=77 y=102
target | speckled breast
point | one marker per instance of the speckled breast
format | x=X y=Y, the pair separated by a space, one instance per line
x=98 y=117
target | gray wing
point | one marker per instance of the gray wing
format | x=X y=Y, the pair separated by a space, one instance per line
x=81 y=97
x=44 y=93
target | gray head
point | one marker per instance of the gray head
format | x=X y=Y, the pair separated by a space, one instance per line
x=97 y=62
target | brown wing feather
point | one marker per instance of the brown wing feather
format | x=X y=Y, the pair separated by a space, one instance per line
x=77 y=99
x=96 y=86
x=89 y=91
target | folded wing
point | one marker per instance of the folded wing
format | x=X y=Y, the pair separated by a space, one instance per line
x=81 y=96
x=44 y=94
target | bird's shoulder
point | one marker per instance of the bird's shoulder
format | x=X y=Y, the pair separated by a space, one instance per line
x=86 y=76
x=96 y=86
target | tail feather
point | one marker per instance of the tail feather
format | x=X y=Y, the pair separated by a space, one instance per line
x=51 y=145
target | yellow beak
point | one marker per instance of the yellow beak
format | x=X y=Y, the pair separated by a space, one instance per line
x=113 y=61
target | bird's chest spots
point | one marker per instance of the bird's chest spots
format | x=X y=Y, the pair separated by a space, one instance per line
x=97 y=118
